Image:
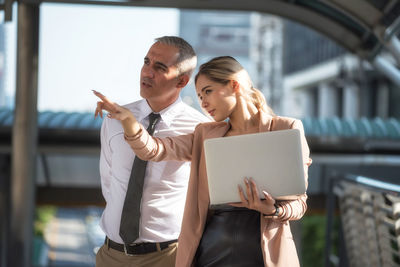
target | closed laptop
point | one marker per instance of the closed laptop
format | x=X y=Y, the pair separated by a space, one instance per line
x=273 y=159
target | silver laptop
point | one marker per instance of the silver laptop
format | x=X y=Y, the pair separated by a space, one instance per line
x=273 y=159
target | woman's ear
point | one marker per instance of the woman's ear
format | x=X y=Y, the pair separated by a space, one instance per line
x=236 y=86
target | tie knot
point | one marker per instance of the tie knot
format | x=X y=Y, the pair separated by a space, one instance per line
x=153 y=119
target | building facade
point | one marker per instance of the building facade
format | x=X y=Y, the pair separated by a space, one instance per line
x=323 y=80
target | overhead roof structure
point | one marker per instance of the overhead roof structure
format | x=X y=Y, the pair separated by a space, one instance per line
x=365 y=27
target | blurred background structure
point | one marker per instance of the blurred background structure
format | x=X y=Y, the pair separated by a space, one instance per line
x=334 y=64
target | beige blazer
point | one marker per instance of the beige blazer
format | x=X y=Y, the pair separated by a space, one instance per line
x=276 y=238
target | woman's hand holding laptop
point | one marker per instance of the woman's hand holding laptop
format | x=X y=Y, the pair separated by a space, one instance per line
x=253 y=201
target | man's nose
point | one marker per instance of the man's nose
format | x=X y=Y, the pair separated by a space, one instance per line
x=147 y=71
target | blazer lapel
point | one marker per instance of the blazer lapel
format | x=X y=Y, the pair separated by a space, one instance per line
x=220 y=130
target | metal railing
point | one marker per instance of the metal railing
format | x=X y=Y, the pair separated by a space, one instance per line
x=369 y=228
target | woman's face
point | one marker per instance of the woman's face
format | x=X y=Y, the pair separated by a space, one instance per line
x=216 y=99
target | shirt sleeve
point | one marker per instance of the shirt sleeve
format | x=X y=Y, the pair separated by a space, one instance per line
x=295 y=209
x=152 y=148
x=105 y=159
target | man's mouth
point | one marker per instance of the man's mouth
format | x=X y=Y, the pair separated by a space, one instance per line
x=146 y=83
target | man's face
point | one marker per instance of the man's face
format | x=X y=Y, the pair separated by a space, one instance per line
x=159 y=76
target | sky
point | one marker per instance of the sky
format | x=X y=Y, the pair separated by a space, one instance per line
x=85 y=47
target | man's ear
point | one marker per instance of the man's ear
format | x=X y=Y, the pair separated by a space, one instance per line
x=183 y=80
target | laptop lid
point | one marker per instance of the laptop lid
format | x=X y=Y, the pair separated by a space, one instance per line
x=273 y=159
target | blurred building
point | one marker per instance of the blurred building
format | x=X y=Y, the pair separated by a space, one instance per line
x=301 y=72
x=254 y=39
x=322 y=80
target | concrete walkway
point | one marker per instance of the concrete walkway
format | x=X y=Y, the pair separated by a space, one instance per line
x=73 y=236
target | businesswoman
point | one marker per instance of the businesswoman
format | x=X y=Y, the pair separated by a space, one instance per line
x=253 y=232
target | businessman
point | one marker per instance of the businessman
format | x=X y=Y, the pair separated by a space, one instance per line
x=145 y=200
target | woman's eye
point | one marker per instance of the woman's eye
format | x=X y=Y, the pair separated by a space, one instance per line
x=208 y=91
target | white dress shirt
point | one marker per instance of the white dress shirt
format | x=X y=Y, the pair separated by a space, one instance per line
x=165 y=183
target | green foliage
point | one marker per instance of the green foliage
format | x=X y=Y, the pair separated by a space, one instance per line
x=313 y=240
x=43 y=215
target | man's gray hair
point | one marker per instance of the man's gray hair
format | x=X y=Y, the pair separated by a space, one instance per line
x=187 y=60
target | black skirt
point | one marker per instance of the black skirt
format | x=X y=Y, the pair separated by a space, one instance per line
x=231 y=238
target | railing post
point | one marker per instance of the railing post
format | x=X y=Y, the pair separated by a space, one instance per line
x=330 y=208
x=343 y=261
x=24 y=138
x=4 y=207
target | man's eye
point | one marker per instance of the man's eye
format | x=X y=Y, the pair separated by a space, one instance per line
x=161 y=68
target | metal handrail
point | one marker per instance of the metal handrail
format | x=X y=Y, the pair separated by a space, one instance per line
x=373 y=191
x=375 y=184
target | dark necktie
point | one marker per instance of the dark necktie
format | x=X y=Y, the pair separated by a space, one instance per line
x=130 y=217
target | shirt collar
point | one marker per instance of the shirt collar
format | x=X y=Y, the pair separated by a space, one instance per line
x=167 y=115
x=144 y=110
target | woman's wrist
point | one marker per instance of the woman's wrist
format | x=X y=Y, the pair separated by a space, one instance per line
x=275 y=213
x=131 y=126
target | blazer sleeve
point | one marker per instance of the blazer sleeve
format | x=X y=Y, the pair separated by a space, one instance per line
x=295 y=209
x=151 y=148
